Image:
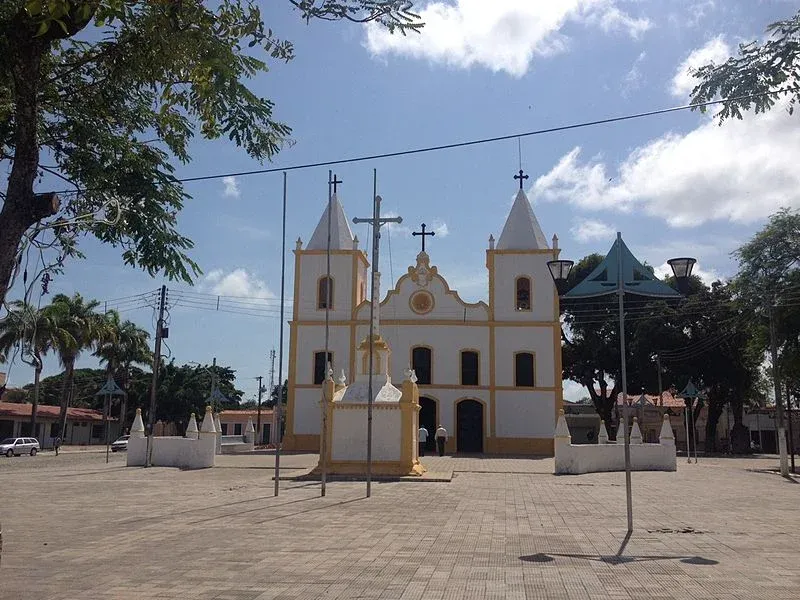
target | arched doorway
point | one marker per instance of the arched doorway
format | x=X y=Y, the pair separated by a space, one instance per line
x=427 y=419
x=469 y=426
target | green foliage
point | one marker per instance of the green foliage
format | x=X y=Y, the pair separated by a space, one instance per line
x=273 y=397
x=771 y=66
x=186 y=389
x=105 y=94
x=87 y=382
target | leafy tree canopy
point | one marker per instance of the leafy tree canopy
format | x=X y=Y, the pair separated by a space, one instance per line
x=104 y=95
x=773 y=65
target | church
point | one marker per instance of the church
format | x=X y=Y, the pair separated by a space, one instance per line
x=489 y=373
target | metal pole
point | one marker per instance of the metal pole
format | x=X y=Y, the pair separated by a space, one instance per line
x=624 y=369
x=694 y=429
x=106 y=408
x=778 y=401
x=151 y=415
x=376 y=236
x=687 y=409
x=791 y=435
x=258 y=418
x=323 y=445
x=280 y=349
x=272 y=435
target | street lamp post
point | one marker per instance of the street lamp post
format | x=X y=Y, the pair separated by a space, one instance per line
x=632 y=278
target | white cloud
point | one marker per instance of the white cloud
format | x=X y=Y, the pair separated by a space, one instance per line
x=440 y=228
x=741 y=171
x=633 y=78
x=588 y=230
x=716 y=50
x=231 y=187
x=238 y=282
x=501 y=35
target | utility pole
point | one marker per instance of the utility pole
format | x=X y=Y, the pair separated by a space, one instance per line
x=660 y=386
x=258 y=419
x=323 y=446
x=213 y=384
x=272 y=436
x=374 y=315
x=791 y=433
x=778 y=401
x=151 y=415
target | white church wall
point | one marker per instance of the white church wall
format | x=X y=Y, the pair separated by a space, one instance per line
x=307 y=412
x=446 y=343
x=510 y=340
x=507 y=267
x=311 y=339
x=312 y=268
x=350 y=441
x=525 y=413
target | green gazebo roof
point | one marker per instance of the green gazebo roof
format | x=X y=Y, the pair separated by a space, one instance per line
x=635 y=277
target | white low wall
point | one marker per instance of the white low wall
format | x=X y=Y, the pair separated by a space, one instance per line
x=593 y=458
x=184 y=453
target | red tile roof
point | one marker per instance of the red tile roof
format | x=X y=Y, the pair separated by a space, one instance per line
x=18 y=410
x=245 y=412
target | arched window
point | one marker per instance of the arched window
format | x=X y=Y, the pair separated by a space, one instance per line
x=523 y=293
x=524 y=374
x=324 y=299
x=421 y=362
x=469 y=368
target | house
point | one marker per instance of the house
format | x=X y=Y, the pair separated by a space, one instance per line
x=234 y=422
x=85 y=426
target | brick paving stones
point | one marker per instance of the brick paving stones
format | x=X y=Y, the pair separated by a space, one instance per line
x=75 y=527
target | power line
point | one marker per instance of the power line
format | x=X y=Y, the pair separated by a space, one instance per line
x=475 y=142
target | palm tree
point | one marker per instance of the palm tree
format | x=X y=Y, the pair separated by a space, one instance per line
x=38 y=331
x=87 y=329
x=127 y=346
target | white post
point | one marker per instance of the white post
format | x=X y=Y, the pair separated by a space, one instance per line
x=666 y=437
x=602 y=437
x=191 y=430
x=636 y=433
x=137 y=429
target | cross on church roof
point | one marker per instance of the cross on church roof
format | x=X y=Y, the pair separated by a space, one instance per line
x=335 y=182
x=521 y=176
x=423 y=233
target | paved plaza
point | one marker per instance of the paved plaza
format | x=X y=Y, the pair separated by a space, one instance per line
x=74 y=527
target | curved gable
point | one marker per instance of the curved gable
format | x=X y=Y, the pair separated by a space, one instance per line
x=422 y=294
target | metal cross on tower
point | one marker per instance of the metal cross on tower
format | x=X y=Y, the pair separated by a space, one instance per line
x=423 y=233
x=521 y=176
x=335 y=182
x=376 y=221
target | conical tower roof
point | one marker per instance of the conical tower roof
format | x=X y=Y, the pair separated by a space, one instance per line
x=522 y=231
x=341 y=236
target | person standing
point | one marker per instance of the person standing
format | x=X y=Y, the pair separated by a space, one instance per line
x=441 y=438
x=57 y=444
x=422 y=436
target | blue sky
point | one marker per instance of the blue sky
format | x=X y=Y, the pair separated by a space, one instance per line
x=674 y=185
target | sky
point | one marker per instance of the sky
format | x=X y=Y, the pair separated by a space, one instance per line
x=674 y=185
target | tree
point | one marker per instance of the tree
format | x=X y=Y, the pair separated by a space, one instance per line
x=104 y=94
x=86 y=329
x=126 y=346
x=272 y=401
x=37 y=331
x=186 y=389
x=772 y=66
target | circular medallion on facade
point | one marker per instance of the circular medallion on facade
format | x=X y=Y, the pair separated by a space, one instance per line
x=421 y=302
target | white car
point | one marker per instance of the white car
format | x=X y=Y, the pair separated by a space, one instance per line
x=18 y=446
x=121 y=444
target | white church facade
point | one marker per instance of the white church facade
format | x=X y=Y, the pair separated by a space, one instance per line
x=490 y=373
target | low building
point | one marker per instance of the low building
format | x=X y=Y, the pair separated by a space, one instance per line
x=84 y=425
x=234 y=422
